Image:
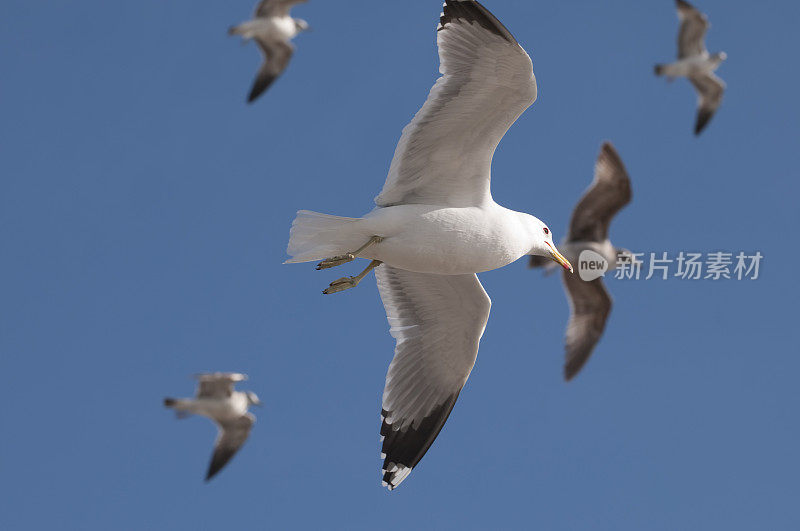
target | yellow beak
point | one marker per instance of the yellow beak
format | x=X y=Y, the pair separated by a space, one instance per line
x=558 y=257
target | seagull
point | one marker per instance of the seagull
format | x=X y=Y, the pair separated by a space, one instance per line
x=435 y=226
x=217 y=400
x=273 y=29
x=589 y=301
x=695 y=63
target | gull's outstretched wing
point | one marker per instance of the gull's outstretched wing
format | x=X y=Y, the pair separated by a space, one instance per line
x=445 y=154
x=438 y=321
x=275 y=8
x=217 y=384
x=276 y=58
x=232 y=435
x=694 y=25
x=710 y=89
x=608 y=193
x=590 y=305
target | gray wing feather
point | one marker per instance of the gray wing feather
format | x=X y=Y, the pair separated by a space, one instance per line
x=232 y=435
x=590 y=305
x=710 y=90
x=444 y=155
x=693 y=29
x=276 y=57
x=609 y=192
x=438 y=321
x=275 y=8
x=218 y=384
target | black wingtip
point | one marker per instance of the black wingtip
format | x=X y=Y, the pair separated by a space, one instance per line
x=253 y=96
x=472 y=11
x=575 y=365
x=698 y=128
x=169 y=402
x=608 y=151
x=610 y=154
x=658 y=69
x=570 y=372
x=219 y=459
x=212 y=471
x=260 y=86
x=703 y=117
x=608 y=147
x=406 y=447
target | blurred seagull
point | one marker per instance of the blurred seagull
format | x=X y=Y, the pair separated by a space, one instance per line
x=272 y=28
x=217 y=400
x=589 y=301
x=695 y=63
x=435 y=226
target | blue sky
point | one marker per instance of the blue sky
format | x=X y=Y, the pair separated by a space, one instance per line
x=144 y=213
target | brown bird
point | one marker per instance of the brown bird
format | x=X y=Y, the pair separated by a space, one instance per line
x=590 y=303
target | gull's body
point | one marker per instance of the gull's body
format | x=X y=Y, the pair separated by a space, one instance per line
x=432 y=238
x=279 y=28
x=435 y=226
x=228 y=408
x=590 y=303
x=696 y=64
x=272 y=29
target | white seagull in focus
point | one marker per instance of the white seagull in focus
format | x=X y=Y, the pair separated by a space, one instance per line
x=435 y=226
x=590 y=303
x=272 y=28
x=217 y=400
x=695 y=63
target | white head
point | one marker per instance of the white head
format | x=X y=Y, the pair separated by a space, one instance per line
x=301 y=25
x=542 y=242
x=252 y=398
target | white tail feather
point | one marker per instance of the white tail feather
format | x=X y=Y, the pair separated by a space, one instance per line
x=316 y=236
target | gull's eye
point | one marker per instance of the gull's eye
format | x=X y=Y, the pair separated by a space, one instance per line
x=546 y=230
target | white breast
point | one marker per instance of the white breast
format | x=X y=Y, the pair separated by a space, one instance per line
x=448 y=241
x=221 y=408
x=281 y=28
